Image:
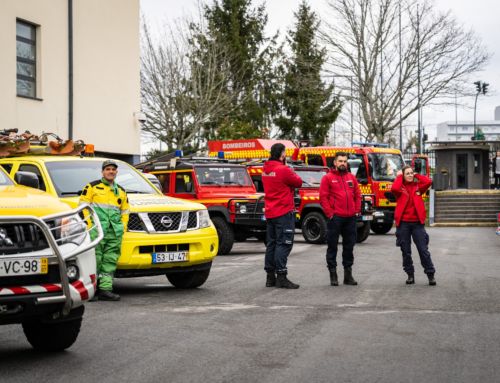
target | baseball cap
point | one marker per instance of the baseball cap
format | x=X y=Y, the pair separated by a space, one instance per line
x=109 y=163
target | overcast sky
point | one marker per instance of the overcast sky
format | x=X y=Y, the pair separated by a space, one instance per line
x=483 y=16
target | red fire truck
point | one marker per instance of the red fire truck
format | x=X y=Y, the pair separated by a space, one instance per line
x=310 y=217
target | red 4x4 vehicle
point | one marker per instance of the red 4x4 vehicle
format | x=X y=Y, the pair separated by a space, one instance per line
x=310 y=217
x=226 y=189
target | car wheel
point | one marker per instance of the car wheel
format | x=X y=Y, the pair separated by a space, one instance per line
x=363 y=232
x=381 y=228
x=314 y=227
x=188 y=280
x=52 y=336
x=225 y=233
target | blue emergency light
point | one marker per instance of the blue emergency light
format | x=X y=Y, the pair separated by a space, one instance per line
x=178 y=153
x=220 y=155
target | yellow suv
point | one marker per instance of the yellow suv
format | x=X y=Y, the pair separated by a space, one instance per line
x=164 y=236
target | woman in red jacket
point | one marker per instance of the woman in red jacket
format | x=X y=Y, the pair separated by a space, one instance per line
x=410 y=219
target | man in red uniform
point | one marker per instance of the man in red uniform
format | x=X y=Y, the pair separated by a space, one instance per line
x=279 y=182
x=409 y=215
x=340 y=199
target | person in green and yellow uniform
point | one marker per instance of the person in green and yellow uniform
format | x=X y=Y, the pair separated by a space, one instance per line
x=110 y=202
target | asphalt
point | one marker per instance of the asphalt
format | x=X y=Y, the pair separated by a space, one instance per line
x=233 y=329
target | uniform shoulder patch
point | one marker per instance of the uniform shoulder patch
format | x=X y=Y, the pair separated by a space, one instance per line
x=94 y=183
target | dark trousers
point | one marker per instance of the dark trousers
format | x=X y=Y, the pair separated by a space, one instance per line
x=497 y=181
x=345 y=226
x=404 y=234
x=280 y=233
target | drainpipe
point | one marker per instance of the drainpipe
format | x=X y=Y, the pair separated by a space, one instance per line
x=70 y=69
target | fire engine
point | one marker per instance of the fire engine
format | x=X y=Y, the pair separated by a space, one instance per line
x=226 y=189
x=310 y=217
x=375 y=168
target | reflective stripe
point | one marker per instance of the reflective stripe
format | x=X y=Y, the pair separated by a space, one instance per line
x=105 y=206
x=126 y=211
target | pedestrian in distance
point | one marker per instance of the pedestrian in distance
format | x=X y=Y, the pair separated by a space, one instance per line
x=110 y=202
x=340 y=199
x=279 y=183
x=496 y=170
x=410 y=221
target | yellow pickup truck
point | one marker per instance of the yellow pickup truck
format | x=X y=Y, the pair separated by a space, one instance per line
x=165 y=235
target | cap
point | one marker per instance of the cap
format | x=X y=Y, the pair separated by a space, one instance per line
x=109 y=163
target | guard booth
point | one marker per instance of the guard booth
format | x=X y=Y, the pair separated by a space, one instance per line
x=461 y=165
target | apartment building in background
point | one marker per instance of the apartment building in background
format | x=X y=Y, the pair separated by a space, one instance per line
x=72 y=67
x=464 y=130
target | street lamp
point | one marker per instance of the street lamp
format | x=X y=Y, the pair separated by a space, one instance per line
x=481 y=87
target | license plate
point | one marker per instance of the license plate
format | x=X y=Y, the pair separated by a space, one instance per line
x=367 y=218
x=171 y=256
x=23 y=266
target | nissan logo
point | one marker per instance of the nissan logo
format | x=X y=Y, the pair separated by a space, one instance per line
x=166 y=221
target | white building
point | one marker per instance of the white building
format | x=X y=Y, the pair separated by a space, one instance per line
x=464 y=130
x=72 y=67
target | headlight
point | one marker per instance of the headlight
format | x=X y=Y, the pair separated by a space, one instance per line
x=73 y=230
x=243 y=209
x=204 y=218
x=72 y=272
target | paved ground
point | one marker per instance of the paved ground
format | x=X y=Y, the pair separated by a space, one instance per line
x=235 y=330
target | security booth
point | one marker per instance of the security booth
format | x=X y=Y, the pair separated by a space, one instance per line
x=461 y=165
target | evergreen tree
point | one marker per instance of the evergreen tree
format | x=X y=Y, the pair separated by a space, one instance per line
x=239 y=27
x=309 y=106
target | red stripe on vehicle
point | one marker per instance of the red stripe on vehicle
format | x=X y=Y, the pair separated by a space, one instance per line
x=19 y=290
x=94 y=281
x=80 y=287
x=51 y=288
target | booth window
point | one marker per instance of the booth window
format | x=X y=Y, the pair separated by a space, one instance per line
x=477 y=164
x=26 y=59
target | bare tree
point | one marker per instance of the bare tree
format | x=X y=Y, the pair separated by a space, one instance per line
x=179 y=93
x=399 y=55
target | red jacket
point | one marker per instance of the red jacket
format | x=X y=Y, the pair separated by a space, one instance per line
x=339 y=194
x=279 y=182
x=404 y=192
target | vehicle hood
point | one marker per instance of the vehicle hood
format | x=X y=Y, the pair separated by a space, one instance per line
x=151 y=203
x=22 y=200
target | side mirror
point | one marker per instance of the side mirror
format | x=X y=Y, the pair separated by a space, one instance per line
x=189 y=187
x=27 y=179
x=391 y=197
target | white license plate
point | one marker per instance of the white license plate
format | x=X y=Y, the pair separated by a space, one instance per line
x=23 y=266
x=171 y=256
x=367 y=218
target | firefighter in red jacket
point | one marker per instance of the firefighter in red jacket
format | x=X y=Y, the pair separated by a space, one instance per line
x=410 y=219
x=340 y=199
x=279 y=182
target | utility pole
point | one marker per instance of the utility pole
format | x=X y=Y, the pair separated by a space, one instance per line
x=481 y=87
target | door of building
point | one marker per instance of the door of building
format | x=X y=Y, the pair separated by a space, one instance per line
x=462 y=176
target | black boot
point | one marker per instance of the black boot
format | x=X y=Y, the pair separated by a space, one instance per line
x=283 y=282
x=411 y=279
x=334 y=279
x=348 y=279
x=106 y=295
x=432 y=281
x=271 y=279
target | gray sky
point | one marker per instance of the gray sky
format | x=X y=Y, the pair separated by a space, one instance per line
x=483 y=16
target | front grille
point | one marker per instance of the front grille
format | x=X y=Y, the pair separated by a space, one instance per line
x=134 y=223
x=165 y=221
x=21 y=238
x=192 y=220
x=163 y=248
x=254 y=208
x=26 y=280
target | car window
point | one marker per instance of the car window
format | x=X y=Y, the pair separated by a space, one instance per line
x=184 y=182
x=4 y=179
x=35 y=170
x=7 y=167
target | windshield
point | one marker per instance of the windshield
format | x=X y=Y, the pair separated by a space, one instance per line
x=69 y=177
x=222 y=176
x=4 y=179
x=310 y=177
x=357 y=167
x=384 y=166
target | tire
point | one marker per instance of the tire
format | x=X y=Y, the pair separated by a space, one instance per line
x=52 y=336
x=363 y=232
x=240 y=236
x=381 y=228
x=225 y=233
x=188 y=280
x=314 y=227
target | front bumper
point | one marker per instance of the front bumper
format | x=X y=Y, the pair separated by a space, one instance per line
x=202 y=246
x=382 y=215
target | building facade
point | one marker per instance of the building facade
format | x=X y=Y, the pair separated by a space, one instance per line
x=72 y=67
x=464 y=130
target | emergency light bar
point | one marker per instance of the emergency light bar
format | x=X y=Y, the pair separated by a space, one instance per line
x=373 y=144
